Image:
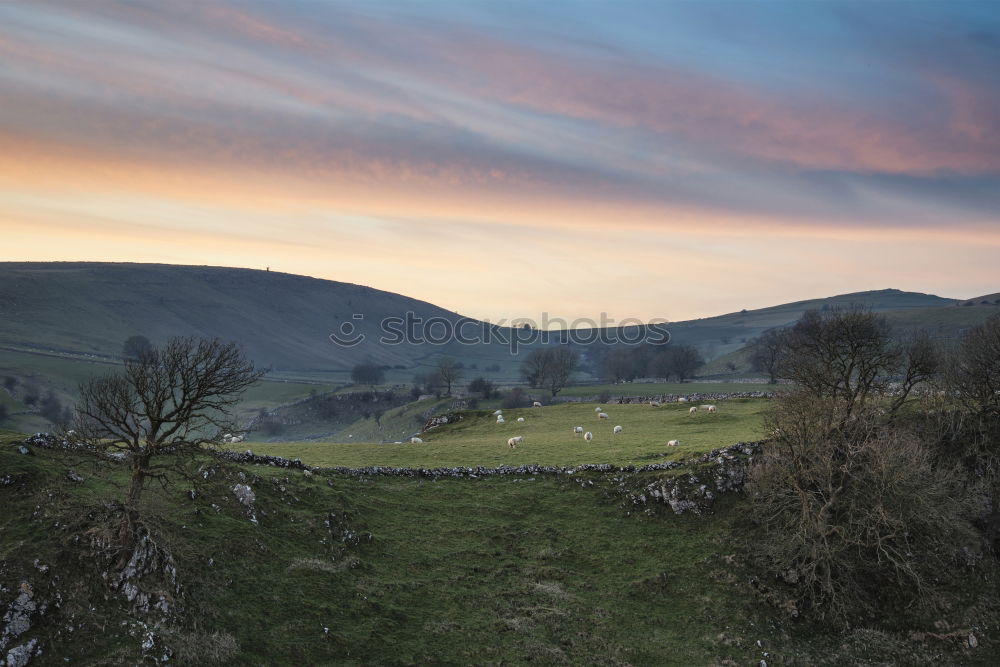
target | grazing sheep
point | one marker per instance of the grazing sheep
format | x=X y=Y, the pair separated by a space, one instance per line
x=498 y=413
x=520 y=420
x=602 y=415
x=536 y=404
x=655 y=404
x=704 y=407
x=500 y=420
x=577 y=429
x=416 y=441
x=693 y=410
x=673 y=443
x=617 y=429
x=515 y=441
x=682 y=399
x=598 y=409
x=588 y=436
x=711 y=408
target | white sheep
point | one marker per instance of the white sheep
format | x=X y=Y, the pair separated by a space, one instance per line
x=618 y=429
x=598 y=409
x=577 y=429
x=416 y=441
x=515 y=441
x=673 y=443
x=500 y=420
x=682 y=399
x=655 y=404
x=694 y=409
x=536 y=404
x=498 y=413
x=602 y=415
x=710 y=408
x=588 y=436
x=704 y=407
x=520 y=420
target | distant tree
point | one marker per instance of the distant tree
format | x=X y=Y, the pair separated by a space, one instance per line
x=618 y=364
x=661 y=365
x=550 y=368
x=845 y=355
x=367 y=373
x=532 y=367
x=765 y=351
x=136 y=346
x=53 y=410
x=686 y=359
x=483 y=387
x=163 y=406
x=450 y=372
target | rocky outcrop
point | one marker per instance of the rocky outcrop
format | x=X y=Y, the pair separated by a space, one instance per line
x=440 y=420
x=18 y=619
x=720 y=471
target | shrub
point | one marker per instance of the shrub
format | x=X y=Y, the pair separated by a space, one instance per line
x=853 y=517
x=516 y=398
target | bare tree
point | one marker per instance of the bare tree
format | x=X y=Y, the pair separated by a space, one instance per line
x=685 y=360
x=765 y=351
x=550 y=368
x=171 y=400
x=618 y=364
x=974 y=372
x=449 y=371
x=533 y=367
x=920 y=359
x=846 y=355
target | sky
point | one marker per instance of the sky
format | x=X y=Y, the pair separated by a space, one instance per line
x=658 y=159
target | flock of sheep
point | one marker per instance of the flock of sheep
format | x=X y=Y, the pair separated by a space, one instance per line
x=589 y=435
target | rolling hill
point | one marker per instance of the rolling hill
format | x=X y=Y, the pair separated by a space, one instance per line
x=285 y=320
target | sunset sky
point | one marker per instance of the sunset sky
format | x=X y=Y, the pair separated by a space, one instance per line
x=501 y=159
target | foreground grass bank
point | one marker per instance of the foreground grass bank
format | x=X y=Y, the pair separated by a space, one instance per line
x=402 y=571
x=548 y=437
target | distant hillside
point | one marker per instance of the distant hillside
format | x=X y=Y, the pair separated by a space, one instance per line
x=985 y=300
x=717 y=336
x=283 y=320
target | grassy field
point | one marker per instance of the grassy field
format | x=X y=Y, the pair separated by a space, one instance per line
x=548 y=437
